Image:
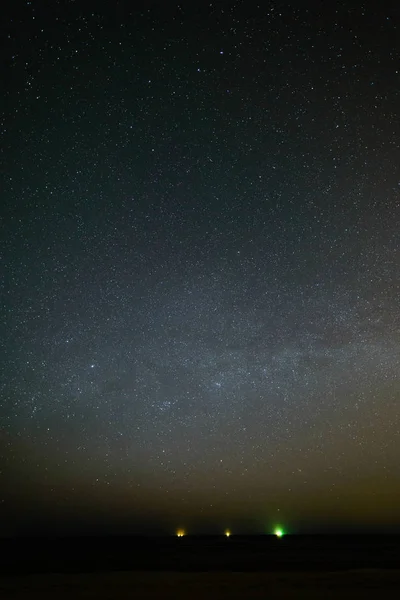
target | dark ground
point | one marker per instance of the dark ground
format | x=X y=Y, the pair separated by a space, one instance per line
x=203 y=567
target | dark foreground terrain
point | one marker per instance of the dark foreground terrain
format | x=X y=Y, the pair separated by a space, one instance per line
x=379 y=585
x=204 y=567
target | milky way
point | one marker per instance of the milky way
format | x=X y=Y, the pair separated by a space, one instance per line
x=200 y=249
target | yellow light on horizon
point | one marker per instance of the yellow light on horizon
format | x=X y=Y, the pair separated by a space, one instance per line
x=227 y=533
x=180 y=533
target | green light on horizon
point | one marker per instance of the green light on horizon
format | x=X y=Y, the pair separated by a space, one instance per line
x=278 y=532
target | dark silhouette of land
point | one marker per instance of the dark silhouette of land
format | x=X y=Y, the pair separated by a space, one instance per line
x=204 y=566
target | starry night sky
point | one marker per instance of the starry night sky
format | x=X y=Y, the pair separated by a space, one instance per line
x=200 y=256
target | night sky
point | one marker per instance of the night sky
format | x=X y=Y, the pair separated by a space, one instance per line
x=200 y=258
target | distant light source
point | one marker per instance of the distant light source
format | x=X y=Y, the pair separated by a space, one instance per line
x=227 y=533
x=278 y=532
x=180 y=533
